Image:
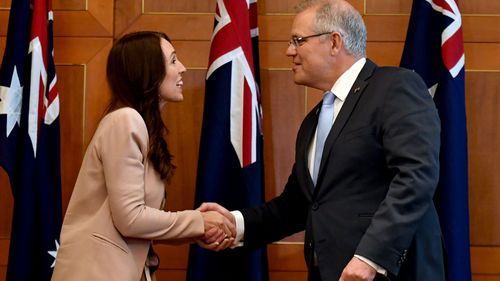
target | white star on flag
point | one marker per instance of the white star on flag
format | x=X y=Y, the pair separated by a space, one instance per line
x=10 y=102
x=54 y=254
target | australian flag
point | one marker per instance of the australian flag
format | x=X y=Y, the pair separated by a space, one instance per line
x=230 y=170
x=29 y=140
x=434 y=49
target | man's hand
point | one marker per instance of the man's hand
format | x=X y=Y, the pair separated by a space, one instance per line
x=358 y=270
x=220 y=227
x=217 y=227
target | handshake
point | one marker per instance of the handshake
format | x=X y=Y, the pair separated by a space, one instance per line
x=220 y=227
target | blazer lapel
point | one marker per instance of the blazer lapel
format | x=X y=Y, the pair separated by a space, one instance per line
x=343 y=116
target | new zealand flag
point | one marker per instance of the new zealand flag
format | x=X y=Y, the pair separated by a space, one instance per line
x=29 y=140
x=230 y=170
x=434 y=49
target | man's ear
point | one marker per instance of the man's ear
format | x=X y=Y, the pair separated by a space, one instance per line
x=337 y=42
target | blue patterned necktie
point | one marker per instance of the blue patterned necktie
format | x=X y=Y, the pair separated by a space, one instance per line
x=325 y=122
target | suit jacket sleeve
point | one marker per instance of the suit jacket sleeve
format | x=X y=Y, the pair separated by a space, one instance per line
x=282 y=216
x=123 y=149
x=411 y=140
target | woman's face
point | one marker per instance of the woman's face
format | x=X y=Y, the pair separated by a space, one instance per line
x=171 y=86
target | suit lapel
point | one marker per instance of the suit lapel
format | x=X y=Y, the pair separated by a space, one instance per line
x=308 y=130
x=343 y=116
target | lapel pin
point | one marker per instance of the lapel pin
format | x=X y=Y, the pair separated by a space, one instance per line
x=357 y=90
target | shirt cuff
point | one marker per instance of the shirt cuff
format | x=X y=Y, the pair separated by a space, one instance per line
x=240 y=229
x=377 y=267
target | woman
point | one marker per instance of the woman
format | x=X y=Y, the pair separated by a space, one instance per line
x=115 y=210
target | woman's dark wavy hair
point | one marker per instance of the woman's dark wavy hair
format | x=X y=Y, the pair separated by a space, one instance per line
x=135 y=70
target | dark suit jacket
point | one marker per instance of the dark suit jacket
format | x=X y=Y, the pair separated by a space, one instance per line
x=376 y=182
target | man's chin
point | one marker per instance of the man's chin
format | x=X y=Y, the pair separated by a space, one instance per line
x=298 y=80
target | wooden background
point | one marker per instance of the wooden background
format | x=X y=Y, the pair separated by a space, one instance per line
x=85 y=30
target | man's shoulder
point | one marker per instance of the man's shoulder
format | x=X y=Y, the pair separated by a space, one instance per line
x=395 y=73
x=391 y=70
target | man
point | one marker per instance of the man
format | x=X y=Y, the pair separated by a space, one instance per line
x=365 y=202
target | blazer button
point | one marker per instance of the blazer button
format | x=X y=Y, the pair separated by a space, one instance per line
x=315 y=206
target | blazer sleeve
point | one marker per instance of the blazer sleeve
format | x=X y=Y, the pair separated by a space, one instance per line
x=122 y=148
x=411 y=140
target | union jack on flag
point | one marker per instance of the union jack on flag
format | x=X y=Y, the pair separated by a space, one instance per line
x=230 y=167
x=29 y=139
x=230 y=45
x=434 y=49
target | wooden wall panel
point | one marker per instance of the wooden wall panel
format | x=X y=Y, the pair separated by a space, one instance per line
x=389 y=7
x=481 y=56
x=483 y=122
x=200 y=6
x=484 y=260
x=276 y=7
x=96 y=90
x=486 y=7
x=275 y=27
x=272 y=55
x=288 y=6
x=287 y=275
x=171 y=274
x=6 y=206
x=95 y=20
x=280 y=126
x=200 y=25
x=4 y=255
x=193 y=54
x=91 y=53
x=126 y=12
x=4 y=23
x=481 y=28
x=71 y=95
x=183 y=121
x=75 y=5
x=481 y=277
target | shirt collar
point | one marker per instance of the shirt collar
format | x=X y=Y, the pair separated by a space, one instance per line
x=344 y=84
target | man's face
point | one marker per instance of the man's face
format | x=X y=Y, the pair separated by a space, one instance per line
x=311 y=57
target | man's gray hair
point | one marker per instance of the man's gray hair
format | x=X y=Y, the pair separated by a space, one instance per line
x=339 y=16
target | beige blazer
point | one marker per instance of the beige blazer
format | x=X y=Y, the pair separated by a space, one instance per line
x=114 y=211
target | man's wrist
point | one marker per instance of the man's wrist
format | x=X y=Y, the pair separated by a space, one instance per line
x=240 y=228
x=375 y=266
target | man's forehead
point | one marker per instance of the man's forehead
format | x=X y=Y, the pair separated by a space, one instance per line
x=302 y=23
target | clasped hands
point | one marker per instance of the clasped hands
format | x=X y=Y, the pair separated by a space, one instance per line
x=220 y=227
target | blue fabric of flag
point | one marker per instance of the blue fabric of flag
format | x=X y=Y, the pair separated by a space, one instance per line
x=221 y=177
x=31 y=160
x=424 y=52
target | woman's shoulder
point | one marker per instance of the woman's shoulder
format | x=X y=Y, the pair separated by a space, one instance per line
x=123 y=126
x=123 y=120
x=123 y=115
